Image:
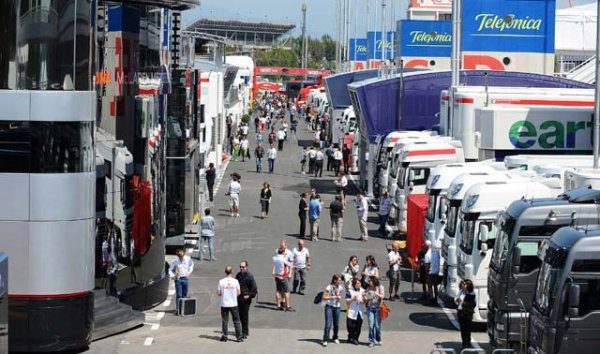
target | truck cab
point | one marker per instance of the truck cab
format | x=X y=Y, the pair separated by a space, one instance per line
x=565 y=312
x=477 y=232
x=582 y=177
x=414 y=167
x=514 y=265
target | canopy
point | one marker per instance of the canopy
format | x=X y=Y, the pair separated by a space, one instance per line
x=576 y=29
x=337 y=86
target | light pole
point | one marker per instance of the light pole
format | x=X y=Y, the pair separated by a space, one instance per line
x=383 y=33
x=597 y=94
x=456 y=34
x=338 y=48
x=304 y=41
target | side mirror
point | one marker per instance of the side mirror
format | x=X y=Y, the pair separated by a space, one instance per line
x=516 y=260
x=484 y=247
x=574 y=292
x=483 y=233
x=411 y=185
x=444 y=210
x=411 y=175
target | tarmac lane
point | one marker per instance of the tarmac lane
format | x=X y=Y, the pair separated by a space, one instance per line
x=412 y=327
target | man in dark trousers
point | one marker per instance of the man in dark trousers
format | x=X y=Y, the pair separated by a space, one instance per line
x=248 y=292
x=302 y=209
x=211 y=176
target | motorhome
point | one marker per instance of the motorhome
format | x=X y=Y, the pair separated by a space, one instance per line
x=582 y=177
x=477 y=233
x=565 y=310
x=526 y=162
x=514 y=264
x=468 y=99
x=413 y=170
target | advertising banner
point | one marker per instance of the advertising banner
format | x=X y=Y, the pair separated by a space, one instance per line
x=509 y=26
x=358 y=49
x=375 y=44
x=425 y=38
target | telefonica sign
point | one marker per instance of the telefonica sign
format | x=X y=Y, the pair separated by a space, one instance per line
x=509 y=26
x=550 y=134
x=375 y=45
x=425 y=38
x=358 y=49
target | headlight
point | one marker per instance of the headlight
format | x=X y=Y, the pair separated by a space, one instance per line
x=472 y=200
x=456 y=188
x=435 y=179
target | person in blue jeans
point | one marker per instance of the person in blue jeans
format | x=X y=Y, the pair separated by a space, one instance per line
x=180 y=270
x=374 y=295
x=207 y=235
x=333 y=294
x=259 y=154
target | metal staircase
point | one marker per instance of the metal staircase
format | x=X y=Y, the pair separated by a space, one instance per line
x=112 y=316
x=585 y=72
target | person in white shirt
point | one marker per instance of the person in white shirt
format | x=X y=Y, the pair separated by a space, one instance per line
x=280 y=139
x=341 y=183
x=229 y=290
x=285 y=126
x=281 y=272
x=180 y=270
x=319 y=158
x=433 y=278
x=272 y=155
x=245 y=145
x=362 y=211
x=355 y=311
x=244 y=130
x=395 y=262
x=301 y=267
x=385 y=205
x=333 y=294
x=233 y=191
x=337 y=160
x=312 y=154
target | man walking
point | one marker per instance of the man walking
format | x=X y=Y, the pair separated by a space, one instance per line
x=272 y=154
x=385 y=205
x=302 y=209
x=301 y=267
x=259 y=154
x=248 y=292
x=211 y=176
x=280 y=139
x=229 y=290
x=180 y=270
x=337 y=163
x=312 y=154
x=228 y=121
x=336 y=212
x=314 y=213
x=395 y=262
x=233 y=191
x=362 y=211
x=281 y=271
x=329 y=154
x=319 y=157
x=207 y=235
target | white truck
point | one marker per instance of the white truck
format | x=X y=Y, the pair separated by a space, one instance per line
x=582 y=177
x=526 y=162
x=467 y=100
x=118 y=163
x=413 y=170
x=476 y=233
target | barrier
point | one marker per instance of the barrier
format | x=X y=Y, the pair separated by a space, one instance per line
x=442 y=350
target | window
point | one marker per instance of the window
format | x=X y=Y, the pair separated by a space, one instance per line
x=529 y=256
x=545 y=291
x=421 y=176
x=46 y=147
x=433 y=197
x=589 y=301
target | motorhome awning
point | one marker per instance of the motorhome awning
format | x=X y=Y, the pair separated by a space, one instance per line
x=376 y=101
x=337 y=86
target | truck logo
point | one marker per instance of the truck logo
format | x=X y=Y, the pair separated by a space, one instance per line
x=550 y=134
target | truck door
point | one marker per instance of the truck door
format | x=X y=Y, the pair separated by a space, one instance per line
x=582 y=334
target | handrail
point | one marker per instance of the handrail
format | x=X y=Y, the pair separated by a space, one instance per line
x=575 y=69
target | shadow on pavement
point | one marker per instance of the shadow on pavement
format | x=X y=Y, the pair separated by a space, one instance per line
x=431 y=319
x=206 y=336
x=311 y=340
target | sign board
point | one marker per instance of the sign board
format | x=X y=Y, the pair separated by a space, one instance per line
x=375 y=44
x=358 y=49
x=425 y=38
x=509 y=26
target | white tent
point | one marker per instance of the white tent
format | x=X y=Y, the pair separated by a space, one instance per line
x=575 y=31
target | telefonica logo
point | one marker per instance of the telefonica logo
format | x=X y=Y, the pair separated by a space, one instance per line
x=495 y=22
x=379 y=44
x=361 y=48
x=426 y=37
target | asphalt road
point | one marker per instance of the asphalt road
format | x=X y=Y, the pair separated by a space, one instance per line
x=412 y=327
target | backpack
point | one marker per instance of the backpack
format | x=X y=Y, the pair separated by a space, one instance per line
x=384 y=311
x=318 y=298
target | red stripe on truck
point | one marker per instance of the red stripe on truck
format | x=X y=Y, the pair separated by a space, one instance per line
x=432 y=152
x=545 y=102
x=464 y=100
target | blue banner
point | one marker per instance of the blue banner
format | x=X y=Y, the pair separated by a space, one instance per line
x=509 y=26
x=425 y=38
x=358 y=49
x=375 y=44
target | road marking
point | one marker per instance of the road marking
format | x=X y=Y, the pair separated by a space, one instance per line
x=155 y=326
x=148 y=341
x=455 y=322
x=167 y=302
x=160 y=316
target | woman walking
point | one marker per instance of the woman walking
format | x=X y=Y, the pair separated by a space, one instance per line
x=466 y=307
x=370 y=269
x=332 y=296
x=351 y=272
x=265 y=200
x=374 y=295
x=236 y=148
x=355 y=310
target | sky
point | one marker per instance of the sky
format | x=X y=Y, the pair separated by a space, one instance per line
x=321 y=14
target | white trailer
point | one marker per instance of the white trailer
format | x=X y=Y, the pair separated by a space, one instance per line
x=476 y=234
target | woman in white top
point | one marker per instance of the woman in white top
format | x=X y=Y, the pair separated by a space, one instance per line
x=351 y=271
x=373 y=296
x=332 y=296
x=370 y=269
x=355 y=310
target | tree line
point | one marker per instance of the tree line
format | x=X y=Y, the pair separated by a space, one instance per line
x=321 y=54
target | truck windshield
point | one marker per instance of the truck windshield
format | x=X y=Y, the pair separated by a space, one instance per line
x=450 y=228
x=505 y=226
x=431 y=209
x=545 y=291
x=467 y=230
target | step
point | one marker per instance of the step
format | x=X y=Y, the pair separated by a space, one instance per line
x=112 y=317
